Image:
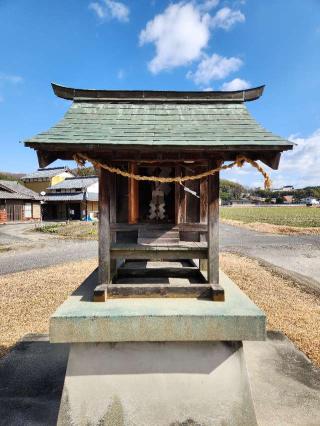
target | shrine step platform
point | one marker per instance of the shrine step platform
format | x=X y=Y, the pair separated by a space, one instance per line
x=80 y=320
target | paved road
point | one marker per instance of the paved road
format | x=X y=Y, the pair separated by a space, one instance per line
x=296 y=253
x=31 y=250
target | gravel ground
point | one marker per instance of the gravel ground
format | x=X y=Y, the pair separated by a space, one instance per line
x=298 y=254
x=274 y=229
x=287 y=306
x=28 y=298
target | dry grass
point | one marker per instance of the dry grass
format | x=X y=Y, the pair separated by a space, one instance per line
x=273 y=229
x=27 y=299
x=288 y=308
x=76 y=229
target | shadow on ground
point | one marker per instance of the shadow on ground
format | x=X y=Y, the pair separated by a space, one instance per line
x=31 y=382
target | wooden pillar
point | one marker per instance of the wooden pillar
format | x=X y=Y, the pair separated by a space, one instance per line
x=213 y=225
x=180 y=200
x=104 y=227
x=113 y=219
x=203 y=263
x=133 y=192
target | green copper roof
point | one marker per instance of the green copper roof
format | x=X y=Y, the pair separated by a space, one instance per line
x=166 y=124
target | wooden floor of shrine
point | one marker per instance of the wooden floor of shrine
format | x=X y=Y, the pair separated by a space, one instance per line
x=159 y=278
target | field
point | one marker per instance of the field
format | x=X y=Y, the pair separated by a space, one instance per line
x=300 y=217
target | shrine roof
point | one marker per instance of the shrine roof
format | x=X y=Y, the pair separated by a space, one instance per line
x=191 y=119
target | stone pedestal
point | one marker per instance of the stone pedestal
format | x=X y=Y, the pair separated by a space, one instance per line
x=155 y=361
x=184 y=383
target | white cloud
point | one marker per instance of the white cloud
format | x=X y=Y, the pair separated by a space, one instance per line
x=208 y=5
x=110 y=9
x=11 y=79
x=180 y=34
x=299 y=167
x=225 y=18
x=214 y=67
x=235 y=84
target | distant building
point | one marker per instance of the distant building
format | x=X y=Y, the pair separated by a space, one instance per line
x=256 y=200
x=288 y=199
x=18 y=203
x=286 y=188
x=41 y=179
x=75 y=198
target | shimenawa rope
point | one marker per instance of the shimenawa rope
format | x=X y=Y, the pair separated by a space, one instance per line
x=81 y=159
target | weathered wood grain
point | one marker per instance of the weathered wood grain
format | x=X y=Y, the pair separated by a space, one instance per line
x=116 y=291
x=104 y=274
x=213 y=225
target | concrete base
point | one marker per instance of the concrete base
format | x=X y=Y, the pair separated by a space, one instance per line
x=80 y=320
x=285 y=385
x=158 y=384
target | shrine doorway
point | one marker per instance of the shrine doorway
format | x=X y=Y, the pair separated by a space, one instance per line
x=156 y=200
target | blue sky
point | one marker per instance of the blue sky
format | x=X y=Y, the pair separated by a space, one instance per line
x=157 y=44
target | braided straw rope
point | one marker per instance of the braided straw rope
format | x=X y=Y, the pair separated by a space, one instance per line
x=80 y=159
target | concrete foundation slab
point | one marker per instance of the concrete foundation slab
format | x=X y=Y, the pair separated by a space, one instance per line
x=79 y=320
x=158 y=384
x=285 y=384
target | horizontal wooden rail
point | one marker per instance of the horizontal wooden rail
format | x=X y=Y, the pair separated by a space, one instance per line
x=129 y=227
x=190 y=250
x=115 y=291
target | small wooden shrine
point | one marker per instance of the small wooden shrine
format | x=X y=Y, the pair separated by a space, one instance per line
x=159 y=154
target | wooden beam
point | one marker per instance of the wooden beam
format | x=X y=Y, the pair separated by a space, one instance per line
x=115 y=291
x=203 y=217
x=213 y=225
x=113 y=219
x=104 y=148
x=180 y=199
x=136 y=251
x=186 y=226
x=46 y=158
x=104 y=227
x=133 y=191
x=185 y=272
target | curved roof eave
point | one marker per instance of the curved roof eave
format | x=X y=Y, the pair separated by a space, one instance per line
x=74 y=94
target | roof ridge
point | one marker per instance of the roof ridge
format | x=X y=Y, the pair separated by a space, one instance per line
x=52 y=168
x=164 y=96
x=82 y=177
